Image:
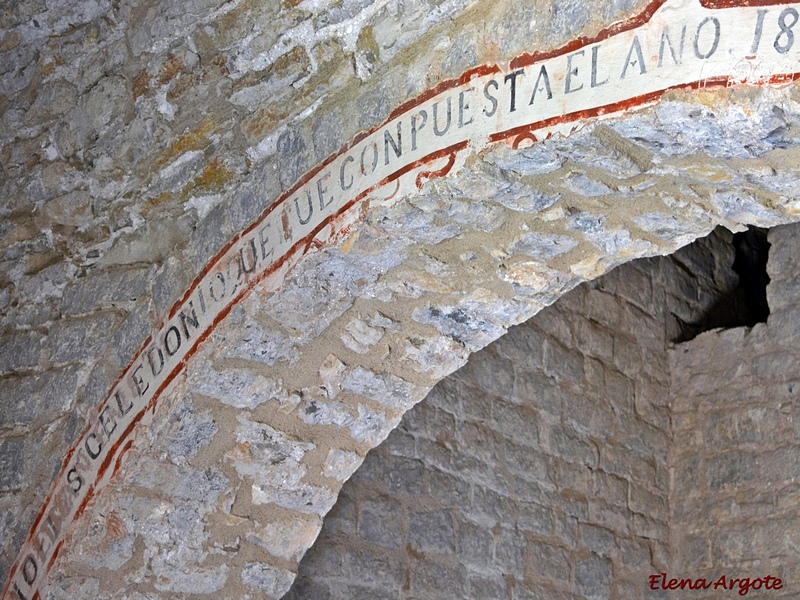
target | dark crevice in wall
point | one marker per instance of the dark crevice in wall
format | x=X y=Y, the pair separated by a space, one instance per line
x=743 y=302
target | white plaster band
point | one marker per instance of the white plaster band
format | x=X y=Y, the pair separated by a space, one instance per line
x=670 y=45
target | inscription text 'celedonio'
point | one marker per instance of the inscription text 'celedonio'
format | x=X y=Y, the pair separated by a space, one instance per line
x=673 y=44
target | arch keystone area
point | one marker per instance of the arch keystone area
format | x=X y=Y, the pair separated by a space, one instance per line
x=299 y=346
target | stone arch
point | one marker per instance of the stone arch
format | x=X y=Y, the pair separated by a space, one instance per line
x=542 y=218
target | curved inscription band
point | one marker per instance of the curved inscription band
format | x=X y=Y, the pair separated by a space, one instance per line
x=672 y=44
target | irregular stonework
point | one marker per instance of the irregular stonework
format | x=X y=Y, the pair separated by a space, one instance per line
x=540 y=469
x=138 y=139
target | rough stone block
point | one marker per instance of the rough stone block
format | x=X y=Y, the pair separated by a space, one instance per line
x=527 y=462
x=20 y=350
x=81 y=339
x=510 y=551
x=103 y=289
x=432 y=531
x=131 y=334
x=546 y=561
x=539 y=391
x=372 y=569
x=37 y=398
x=564 y=443
x=404 y=476
x=783 y=252
x=268 y=579
x=593 y=577
x=562 y=364
x=610 y=517
x=451 y=490
x=474 y=544
x=433 y=580
x=731 y=469
x=516 y=423
x=380 y=522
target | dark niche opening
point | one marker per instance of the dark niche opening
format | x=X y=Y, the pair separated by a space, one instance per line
x=743 y=301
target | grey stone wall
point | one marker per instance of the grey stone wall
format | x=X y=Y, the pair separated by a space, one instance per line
x=538 y=470
x=735 y=497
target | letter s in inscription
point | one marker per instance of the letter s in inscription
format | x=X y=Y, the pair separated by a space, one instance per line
x=74 y=478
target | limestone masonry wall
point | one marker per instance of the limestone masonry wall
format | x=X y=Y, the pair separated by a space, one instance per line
x=138 y=138
x=539 y=469
x=735 y=493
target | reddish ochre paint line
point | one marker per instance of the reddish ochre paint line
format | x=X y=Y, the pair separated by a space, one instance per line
x=53 y=558
x=118 y=464
x=714 y=4
x=427 y=175
x=82 y=507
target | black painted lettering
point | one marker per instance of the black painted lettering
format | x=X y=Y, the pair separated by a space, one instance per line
x=310 y=209
x=414 y=129
x=374 y=159
x=512 y=77
x=123 y=410
x=489 y=97
x=200 y=290
x=193 y=320
x=82 y=462
x=74 y=480
x=544 y=79
x=51 y=529
x=217 y=295
x=251 y=269
x=41 y=541
x=155 y=370
x=93 y=454
x=595 y=83
x=666 y=42
x=759 y=30
x=235 y=260
x=436 y=130
x=782 y=47
x=29 y=570
x=463 y=107
x=264 y=241
x=108 y=423
x=322 y=189
x=19 y=592
x=344 y=187
x=572 y=72
x=714 y=42
x=631 y=62
x=397 y=147
x=176 y=344
x=139 y=382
